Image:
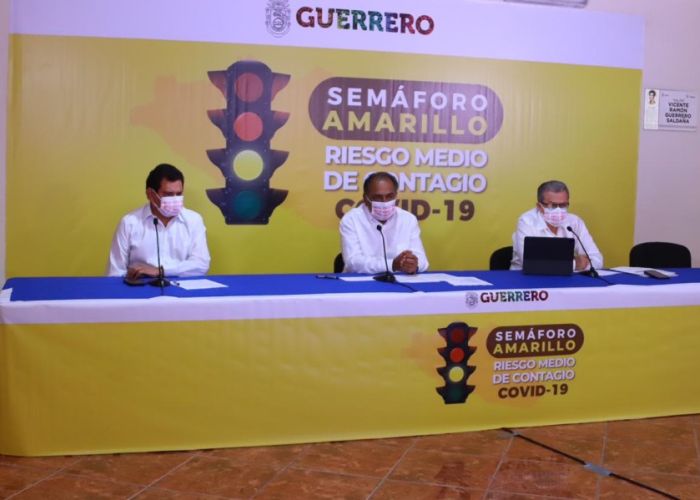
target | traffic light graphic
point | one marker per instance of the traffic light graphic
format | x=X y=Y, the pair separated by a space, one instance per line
x=248 y=124
x=456 y=354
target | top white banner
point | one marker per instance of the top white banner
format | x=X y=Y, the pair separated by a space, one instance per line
x=450 y=27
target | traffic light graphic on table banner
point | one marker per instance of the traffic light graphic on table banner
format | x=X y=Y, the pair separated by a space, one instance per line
x=248 y=124
x=456 y=354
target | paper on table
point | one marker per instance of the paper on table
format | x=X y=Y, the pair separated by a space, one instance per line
x=467 y=281
x=423 y=278
x=639 y=271
x=428 y=278
x=198 y=284
x=448 y=278
x=356 y=278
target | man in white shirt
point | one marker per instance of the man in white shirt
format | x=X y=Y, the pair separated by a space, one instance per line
x=361 y=239
x=550 y=218
x=181 y=233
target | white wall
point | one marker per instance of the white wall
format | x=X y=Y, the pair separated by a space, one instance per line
x=668 y=205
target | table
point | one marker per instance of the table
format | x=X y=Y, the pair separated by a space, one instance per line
x=89 y=365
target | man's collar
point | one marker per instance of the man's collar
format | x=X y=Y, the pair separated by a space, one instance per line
x=146 y=212
x=540 y=219
x=368 y=214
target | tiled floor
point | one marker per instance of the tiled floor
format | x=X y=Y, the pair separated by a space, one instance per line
x=662 y=453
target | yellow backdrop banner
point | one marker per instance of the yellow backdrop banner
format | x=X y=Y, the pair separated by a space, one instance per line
x=469 y=139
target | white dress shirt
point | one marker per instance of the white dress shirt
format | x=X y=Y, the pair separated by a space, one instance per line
x=531 y=223
x=362 y=243
x=183 y=243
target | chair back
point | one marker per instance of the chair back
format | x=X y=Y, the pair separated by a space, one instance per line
x=338 y=264
x=500 y=259
x=659 y=254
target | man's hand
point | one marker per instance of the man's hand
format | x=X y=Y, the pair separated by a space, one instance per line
x=406 y=262
x=139 y=270
x=582 y=262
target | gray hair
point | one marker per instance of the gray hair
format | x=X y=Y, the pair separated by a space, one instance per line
x=552 y=187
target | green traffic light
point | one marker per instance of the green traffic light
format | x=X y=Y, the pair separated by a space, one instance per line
x=247 y=205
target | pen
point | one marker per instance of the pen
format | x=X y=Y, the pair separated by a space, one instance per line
x=328 y=276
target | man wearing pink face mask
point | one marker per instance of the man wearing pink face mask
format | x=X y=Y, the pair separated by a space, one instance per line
x=362 y=241
x=551 y=217
x=181 y=232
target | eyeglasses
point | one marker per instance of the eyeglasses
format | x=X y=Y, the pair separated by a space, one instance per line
x=555 y=205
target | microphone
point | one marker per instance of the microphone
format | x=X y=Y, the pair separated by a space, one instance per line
x=160 y=280
x=591 y=272
x=387 y=276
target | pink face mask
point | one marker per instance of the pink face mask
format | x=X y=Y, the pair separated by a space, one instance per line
x=170 y=206
x=383 y=210
x=555 y=216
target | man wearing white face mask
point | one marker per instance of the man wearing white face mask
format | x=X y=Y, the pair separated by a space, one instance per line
x=551 y=217
x=181 y=232
x=362 y=242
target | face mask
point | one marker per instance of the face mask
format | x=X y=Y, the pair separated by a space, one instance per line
x=555 y=216
x=383 y=210
x=170 y=206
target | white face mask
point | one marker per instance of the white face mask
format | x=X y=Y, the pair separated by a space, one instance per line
x=170 y=206
x=555 y=216
x=383 y=210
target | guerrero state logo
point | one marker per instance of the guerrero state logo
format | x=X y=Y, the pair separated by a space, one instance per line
x=278 y=17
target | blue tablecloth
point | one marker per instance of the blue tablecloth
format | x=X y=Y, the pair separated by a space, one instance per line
x=71 y=288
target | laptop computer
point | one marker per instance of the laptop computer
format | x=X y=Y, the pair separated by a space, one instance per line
x=548 y=256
